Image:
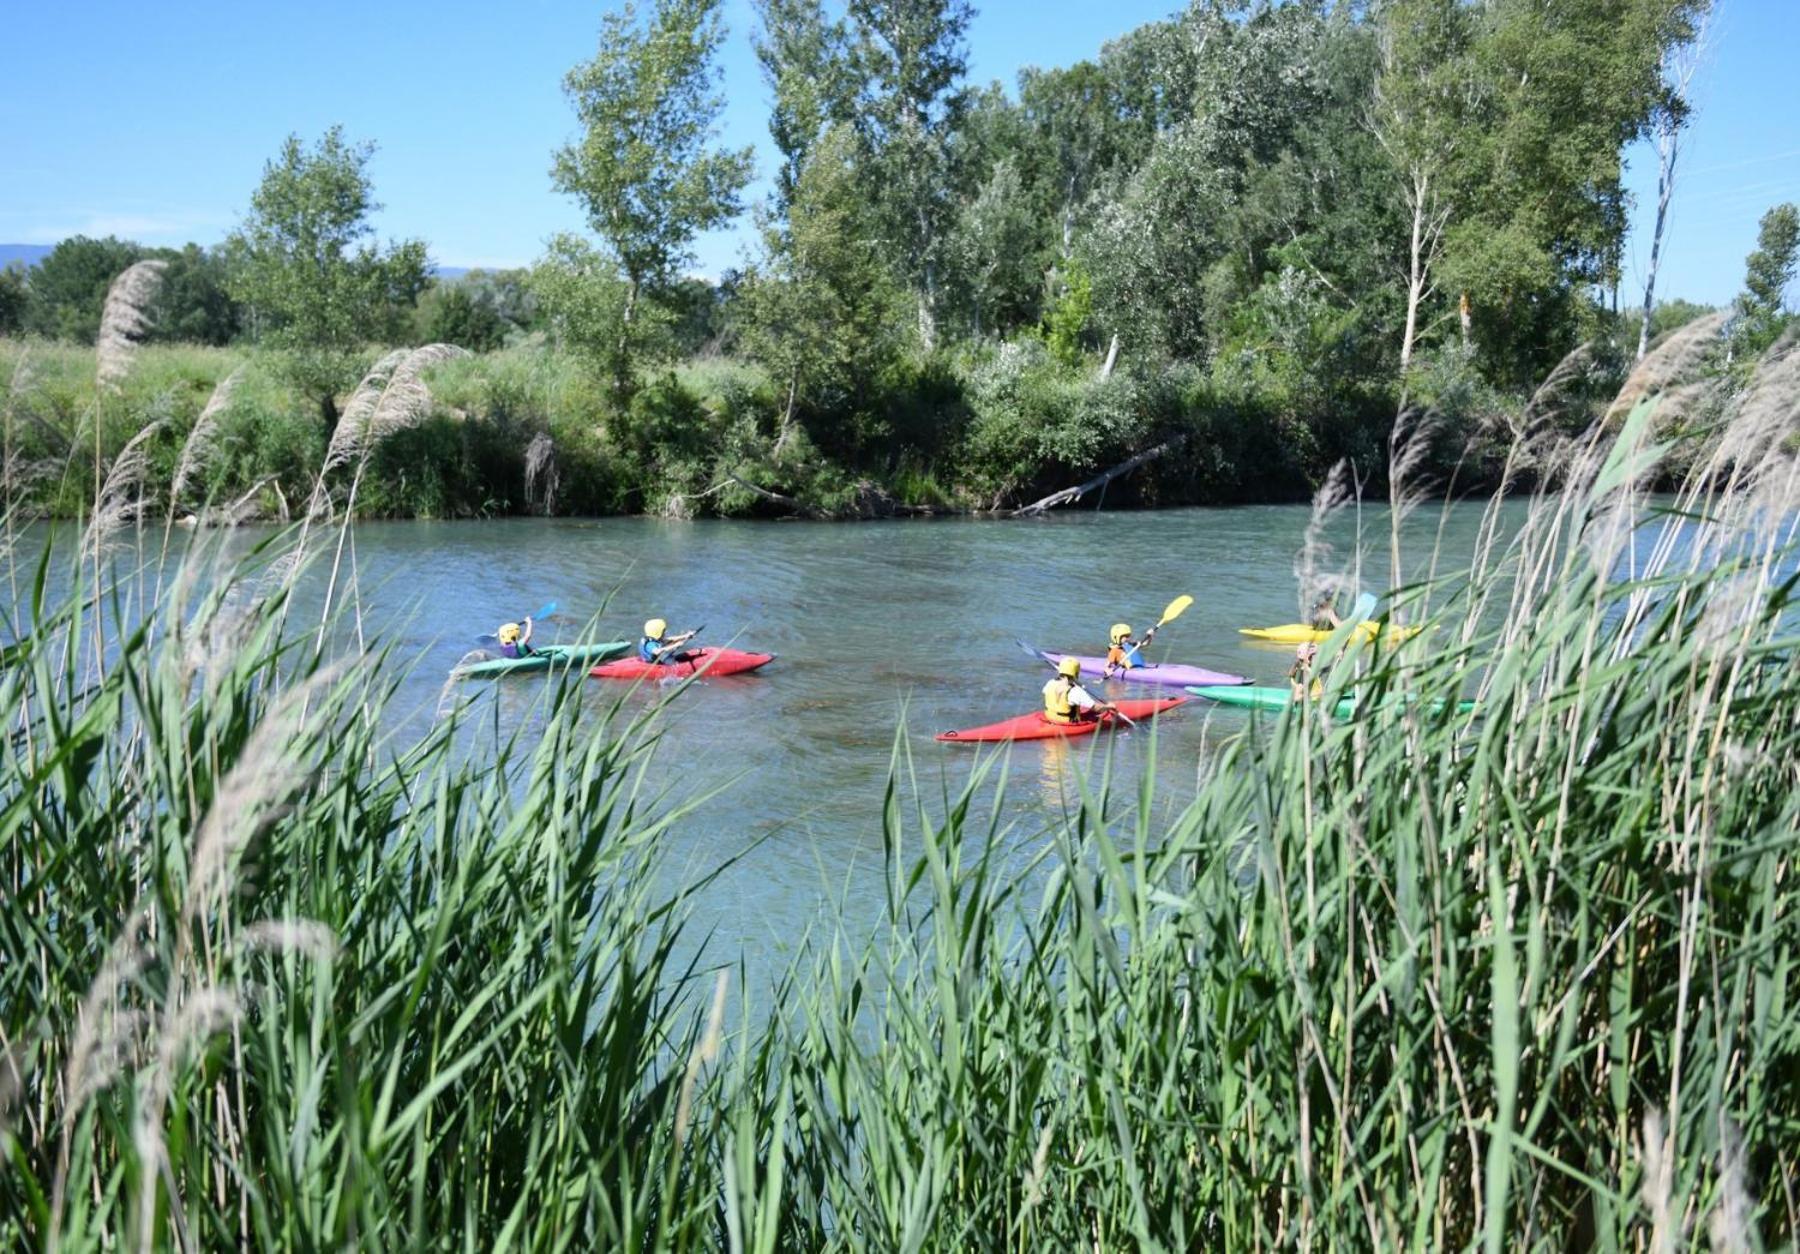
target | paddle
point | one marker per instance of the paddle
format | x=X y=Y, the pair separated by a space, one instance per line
x=545 y=612
x=1174 y=610
x=687 y=639
x=1051 y=663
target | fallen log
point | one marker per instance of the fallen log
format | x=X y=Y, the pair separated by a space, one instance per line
x=798 y=507
x=1098 y=481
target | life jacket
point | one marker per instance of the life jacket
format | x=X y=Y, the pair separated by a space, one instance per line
x=648 y=649
x=1124 y=658
x=1057 y=706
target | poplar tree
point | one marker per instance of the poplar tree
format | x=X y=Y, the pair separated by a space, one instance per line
x=647 y=168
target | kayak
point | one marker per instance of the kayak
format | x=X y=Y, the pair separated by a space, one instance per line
x=1300 y=633
x=1249 y=698
x=709 y=661
x=1280 y=698
x=1037 y=727
x=543 y=658
x=1163 y=674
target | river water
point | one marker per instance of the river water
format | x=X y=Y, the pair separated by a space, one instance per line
x=880 y=629
x=877 y=628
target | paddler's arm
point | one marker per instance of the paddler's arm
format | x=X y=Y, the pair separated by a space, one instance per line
x=1082 y=699
x=673 y=643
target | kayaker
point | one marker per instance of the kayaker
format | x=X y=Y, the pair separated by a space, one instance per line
x=1300 y=674
x=658 y=647
x=1066 y=701
x=514 y=640
x=1324 y=613
x=1123 y=652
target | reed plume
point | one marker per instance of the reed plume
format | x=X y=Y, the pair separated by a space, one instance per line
x=1313 y=574
x=120 y=502
x=391 y=397
x=202 y=439
x=1676 y=360
x=542 y=477
x=125 y=319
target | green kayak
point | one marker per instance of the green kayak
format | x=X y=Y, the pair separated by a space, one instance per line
x=1251 y=698
x=544 y=657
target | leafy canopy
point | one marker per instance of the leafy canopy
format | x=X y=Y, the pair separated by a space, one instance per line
x=306 y=261
x=646 y=168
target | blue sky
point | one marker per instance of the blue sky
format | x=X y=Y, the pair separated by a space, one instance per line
x=153 y=121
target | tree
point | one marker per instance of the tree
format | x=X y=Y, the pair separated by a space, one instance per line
x=462 y=314
x=646 y=168
x=806 y=62
x=15 y=294
x=1541 y=206
x=1679 y=64
x=909 y=55
x=195 y=304
x=68 y=287
x=1421 y=97
x=306 y=265
x=581 y=295
x=1066 y=319
x=1152 y=249
x=822 y=314
x=1072 y=116
x=1761 y=309
x=993 y=249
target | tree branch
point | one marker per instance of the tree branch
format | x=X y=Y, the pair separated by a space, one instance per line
x=1098 y=481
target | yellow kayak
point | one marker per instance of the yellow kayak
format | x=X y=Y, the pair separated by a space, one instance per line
x=1300 y=633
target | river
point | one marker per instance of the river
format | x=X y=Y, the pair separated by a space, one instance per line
x=877 y=627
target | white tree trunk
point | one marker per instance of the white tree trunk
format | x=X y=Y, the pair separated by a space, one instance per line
x=1112 y=357
x=1415 y=276
x=1668 y=146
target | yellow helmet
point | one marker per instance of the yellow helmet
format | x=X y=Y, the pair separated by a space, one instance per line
x=1120 y=631
x=509 y=633
x=656 y=629
x=1069 y=667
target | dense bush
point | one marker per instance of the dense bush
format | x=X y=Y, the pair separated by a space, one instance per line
x=983 y=426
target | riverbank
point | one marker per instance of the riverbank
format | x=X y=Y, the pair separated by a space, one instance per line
x=530 y=430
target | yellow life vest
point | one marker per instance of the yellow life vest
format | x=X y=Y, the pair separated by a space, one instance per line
x=1057 y=706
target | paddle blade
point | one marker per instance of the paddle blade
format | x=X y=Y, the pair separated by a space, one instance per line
x=1175 y=610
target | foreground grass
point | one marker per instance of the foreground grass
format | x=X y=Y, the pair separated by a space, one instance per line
x=1413 y=980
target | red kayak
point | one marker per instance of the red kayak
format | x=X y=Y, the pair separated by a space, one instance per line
x=693 y=662
x=1037 y=727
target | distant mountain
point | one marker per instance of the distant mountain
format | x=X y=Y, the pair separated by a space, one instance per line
x=29 y=254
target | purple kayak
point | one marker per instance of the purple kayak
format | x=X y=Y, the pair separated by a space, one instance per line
x=1167 y=675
